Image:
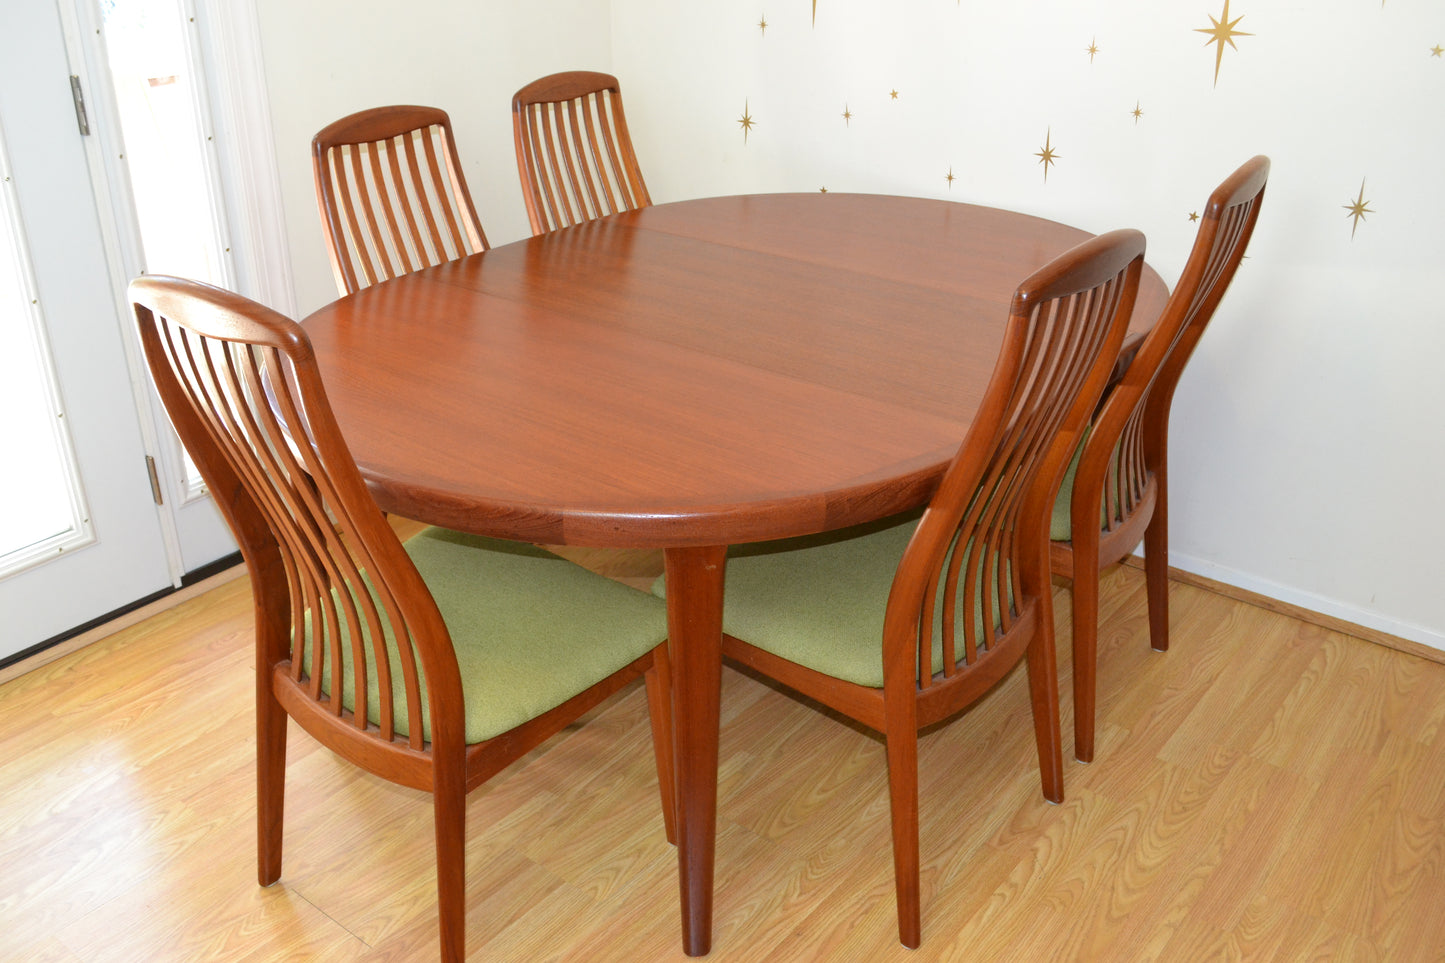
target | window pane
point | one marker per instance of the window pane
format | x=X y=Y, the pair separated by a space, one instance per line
x=37 y=485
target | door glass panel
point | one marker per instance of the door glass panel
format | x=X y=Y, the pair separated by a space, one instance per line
x=166 y=156
x=44 y=512
x=167 y=160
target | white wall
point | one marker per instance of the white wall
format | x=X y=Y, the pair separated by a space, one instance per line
x=328 y=58
x=1308 y=448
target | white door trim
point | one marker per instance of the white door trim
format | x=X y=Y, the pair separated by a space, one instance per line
x=246 y=149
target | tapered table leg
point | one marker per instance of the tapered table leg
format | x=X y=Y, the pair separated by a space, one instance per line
x=694 y=623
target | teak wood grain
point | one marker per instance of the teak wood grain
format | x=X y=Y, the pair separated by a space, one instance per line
x=813 y=361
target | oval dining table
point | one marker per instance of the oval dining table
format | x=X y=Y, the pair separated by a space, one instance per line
x=687 y=376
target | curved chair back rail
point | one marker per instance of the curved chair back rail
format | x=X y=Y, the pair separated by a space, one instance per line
x=574 y=154
x=1118 y=494
x=970 y=596
x=380 y=650
x=391 y=193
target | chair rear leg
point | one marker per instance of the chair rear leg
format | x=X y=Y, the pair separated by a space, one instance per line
x=270 y=781
x=659 y=711
x=1085 y=647
x=1156 y=565
x=1044 y=697
x=903 y=800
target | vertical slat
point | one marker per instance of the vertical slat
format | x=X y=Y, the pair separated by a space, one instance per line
x=545 y=153
x=408 y=210
x=345 y=165
x=562 y=213
x=564 y=116
x=392 y=231
x=458 y=195
x=434 y=181
x=413 y=166
x=592 y=108
x=619 y=171
x=364 y=195
x=579 y=167
x=925 y=636
x=950 y=614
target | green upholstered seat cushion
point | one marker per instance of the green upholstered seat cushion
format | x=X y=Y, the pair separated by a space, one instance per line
x=819 y=600
x=530 y=629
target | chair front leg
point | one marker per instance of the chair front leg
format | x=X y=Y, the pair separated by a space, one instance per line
x=903 y=802
x=270 y=778
x=449 y=802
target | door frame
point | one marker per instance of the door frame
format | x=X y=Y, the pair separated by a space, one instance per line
x=235 y=115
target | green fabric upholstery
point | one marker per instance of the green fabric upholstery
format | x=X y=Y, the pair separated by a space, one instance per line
x=1060 y=524
x=530 y=629
x=819 y=600
x=1060 y=528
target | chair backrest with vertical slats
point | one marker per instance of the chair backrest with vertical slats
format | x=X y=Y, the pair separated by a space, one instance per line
x=1138 y=407
x=574 y=153
x=980 y=554
x=341 y=610
x=392 y=196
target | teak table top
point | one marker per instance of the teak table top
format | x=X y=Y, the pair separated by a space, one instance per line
x=689 y=376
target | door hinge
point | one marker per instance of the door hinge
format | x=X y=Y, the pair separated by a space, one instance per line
x=78 y=96
x=155 y=480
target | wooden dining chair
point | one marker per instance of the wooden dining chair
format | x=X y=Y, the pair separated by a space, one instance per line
x=1115 y=491
x=574 y=154
x=903 y=624
x=432 y=664
x=392 y=196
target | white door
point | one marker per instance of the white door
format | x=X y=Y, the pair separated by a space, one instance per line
x=110 y=550
x=81 y=533
x=153 y=161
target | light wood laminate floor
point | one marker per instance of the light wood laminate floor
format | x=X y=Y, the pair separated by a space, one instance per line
x=1267 y=790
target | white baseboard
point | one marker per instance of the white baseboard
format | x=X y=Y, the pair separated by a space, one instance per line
x=1307 y=600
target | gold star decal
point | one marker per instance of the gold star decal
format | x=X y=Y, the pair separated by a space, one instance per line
x=1093 y=48
x=1136 y=112
x=847 y=116
x=763 y=25
x=1222 y=33
x=1358 y=208
x=822 y=190
x=1047 y=155
x=949 y=177
x=746 y=121
x=1437 y=50
x=893 y=94
x=1193 y=216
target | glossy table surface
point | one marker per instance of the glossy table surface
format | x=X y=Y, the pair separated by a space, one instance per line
x=686 y=376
